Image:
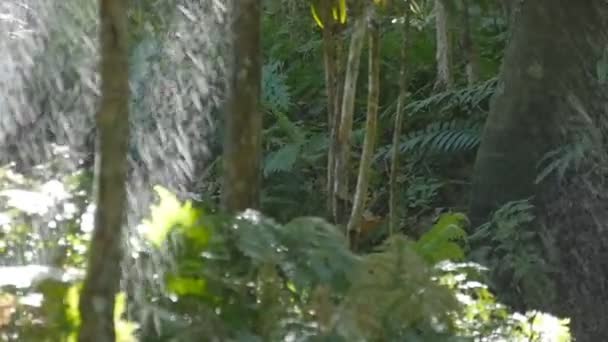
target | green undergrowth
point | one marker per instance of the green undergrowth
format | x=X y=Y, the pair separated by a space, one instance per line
x=249 y=278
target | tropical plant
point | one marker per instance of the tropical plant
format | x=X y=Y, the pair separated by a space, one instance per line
x=513 y=250
x=308 y=284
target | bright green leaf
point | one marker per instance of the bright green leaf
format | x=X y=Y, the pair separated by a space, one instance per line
x=170 y=213
x=184 y=286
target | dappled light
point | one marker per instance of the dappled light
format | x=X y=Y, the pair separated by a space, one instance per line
x=288 y=170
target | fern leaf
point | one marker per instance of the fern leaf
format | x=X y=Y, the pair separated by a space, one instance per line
x=276 y=95
x=394 y=288
x=282 y=160
x=449 y=136
x=438 y=243
x=293 y=131
x=470 y=97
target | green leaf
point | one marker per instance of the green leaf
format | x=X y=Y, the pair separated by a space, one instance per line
x=550 y=328
x=125 y=330
x=338 y=11
x=315 y=16
x=341 y=11
x=438 y=243
x=186 y=286
x=169 y=214
x=283 y=159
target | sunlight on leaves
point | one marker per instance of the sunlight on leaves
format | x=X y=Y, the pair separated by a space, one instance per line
x=29 y=275
x=550 y=328
x=170 y=213
x=29 y=202
x=125 y=330
x=186 y=286
x=440 y=242
x=7 y=307
x=338 y=11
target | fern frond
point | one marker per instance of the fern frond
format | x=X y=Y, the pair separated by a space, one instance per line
x=561 y=159
x=395 y=288
x=315 y=147
x=295 y=133
x=442 y=137
x=439 y=243
x=470 y=97
x=448 y=136
x=276 y=94
x=302 y=146
x=283 y=159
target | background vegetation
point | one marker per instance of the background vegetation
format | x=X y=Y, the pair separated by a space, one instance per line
x=358 y=229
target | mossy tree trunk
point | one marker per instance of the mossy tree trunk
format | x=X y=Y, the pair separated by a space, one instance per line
x=243 y=117
x=551 y=92
x=103 y=271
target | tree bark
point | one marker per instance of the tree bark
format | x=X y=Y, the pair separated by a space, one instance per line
x=403 y=75
x=550 y=92
x=243 y=125
x=443 y=55
x=343 y=148
x=331 y=86
x=371 y=126
x=334 y=141
x=468 y=45
x=103 y=270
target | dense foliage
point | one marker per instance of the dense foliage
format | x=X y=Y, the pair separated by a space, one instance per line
x=250 y=278
x=283 y=273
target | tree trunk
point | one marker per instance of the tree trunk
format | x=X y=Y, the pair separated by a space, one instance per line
x=331 y=86
x=443 y=55
x=343 y=148
x=243 y=125
x=472 y=59
x=371 y=127
x=403 y=74
x=550 y=90
x=103 y=270
x=508 y=9
x=334 y=138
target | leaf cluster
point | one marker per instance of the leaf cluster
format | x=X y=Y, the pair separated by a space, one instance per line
x=513 y=250
x=250 y=278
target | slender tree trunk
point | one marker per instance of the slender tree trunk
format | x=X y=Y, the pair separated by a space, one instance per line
x=343 y=148
x=553 y=88
x=403 y=74
x=103 y=270
x=340 y=65
x=371 y=126
x=243 y=125
x=443 y=55
x=472 y=58
x=331 y=86
x=334 y=142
